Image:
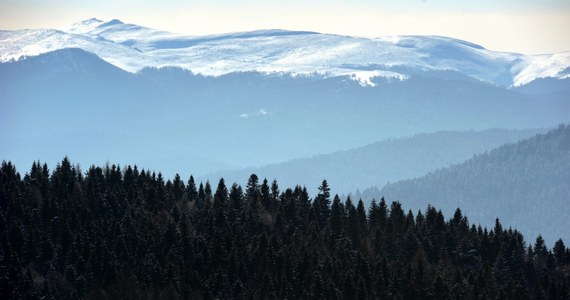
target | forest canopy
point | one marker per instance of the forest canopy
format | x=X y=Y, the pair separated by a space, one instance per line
x=121 y=232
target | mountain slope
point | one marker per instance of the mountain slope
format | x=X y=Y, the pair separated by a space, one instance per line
x=526 y=185
x=380 y=162
x=70 y=102
x=133 y=47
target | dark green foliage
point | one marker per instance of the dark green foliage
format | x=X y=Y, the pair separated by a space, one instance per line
x=119 y=233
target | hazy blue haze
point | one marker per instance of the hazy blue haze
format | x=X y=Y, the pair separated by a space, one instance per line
x=72 y=103
x=381 y=162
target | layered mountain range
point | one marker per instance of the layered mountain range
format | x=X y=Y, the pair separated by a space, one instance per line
x=99 y=91
x=381 y=162
x=297 y=107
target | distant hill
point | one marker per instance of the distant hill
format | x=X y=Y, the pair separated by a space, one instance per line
x=526 y=185
x=380 y=162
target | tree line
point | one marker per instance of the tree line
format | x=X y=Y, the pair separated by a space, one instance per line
x=113 y=232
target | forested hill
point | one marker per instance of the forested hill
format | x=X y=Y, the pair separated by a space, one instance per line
x=126 y=233
x=385 y=161
x=526 y=185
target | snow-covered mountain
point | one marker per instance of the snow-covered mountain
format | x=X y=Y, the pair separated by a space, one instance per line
x=133 y=47
x=130 y=85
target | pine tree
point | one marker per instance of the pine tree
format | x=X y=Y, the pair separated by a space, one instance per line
x=220 y=203
x=321 y=205
x=191 y=192
x=559 y=251
x=336 y=219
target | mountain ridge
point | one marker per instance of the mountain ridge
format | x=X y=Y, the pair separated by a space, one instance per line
x=133 y=47
x=525 y=184
x=383 y=161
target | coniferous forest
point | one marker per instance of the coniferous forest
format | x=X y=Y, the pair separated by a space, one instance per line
x=119 y=232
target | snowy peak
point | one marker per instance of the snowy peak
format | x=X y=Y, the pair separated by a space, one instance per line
x=111 y=23
x=116 y=26
x=84 y=26
x=133 y=47
x=93 y=22
x=429 y=41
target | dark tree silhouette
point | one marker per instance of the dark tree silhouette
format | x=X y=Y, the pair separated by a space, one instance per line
x=115 y=232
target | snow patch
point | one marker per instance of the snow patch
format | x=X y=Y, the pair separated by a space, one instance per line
x=542 y=66
x=84 y=26
x=365 y=77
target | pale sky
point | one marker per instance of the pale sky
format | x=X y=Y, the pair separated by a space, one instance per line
x=525 y=26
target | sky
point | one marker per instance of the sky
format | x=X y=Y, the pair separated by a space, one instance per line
x=524 y=26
